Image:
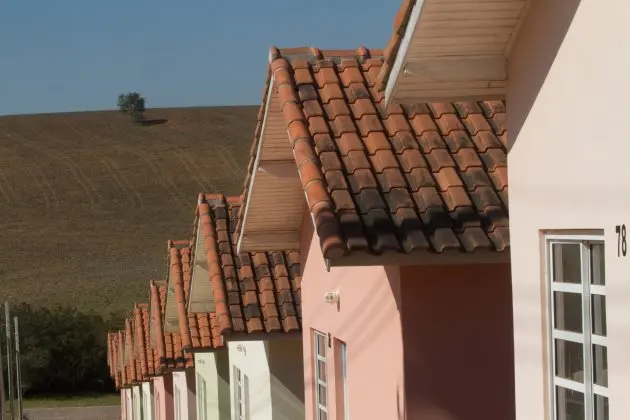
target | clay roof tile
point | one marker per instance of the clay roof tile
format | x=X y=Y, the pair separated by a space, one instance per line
x=254 y=293
x=425 y=177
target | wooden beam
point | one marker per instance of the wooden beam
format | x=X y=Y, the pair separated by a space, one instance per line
x=457 y=69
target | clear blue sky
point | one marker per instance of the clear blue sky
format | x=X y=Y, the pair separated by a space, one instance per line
x=75 y=55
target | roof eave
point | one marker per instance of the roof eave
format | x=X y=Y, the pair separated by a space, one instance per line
x=259 y=144
x=401 y=52
x=422 y=257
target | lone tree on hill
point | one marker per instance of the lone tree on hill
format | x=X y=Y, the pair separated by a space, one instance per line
x=132 y=104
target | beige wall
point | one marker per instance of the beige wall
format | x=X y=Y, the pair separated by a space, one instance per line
x=215 y=369
x=250 y=357
x=568 y=169
x=274 y=374
x=368 y=321
x=287 y=379
x=184 y=381
x=147 y=401
x=128 y=394
x=136 y=395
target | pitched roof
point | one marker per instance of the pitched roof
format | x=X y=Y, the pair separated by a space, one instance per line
x=400 y=26
x=198 y=330
x=120 y=363
x=113 y=361
x=254 y=292
x=143 y=347
x=130 y=355
x=429 y=177
x=169 y=354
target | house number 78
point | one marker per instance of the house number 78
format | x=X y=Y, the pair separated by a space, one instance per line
x=622 y=245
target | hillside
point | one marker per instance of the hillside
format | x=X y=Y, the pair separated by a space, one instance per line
x=88 y=200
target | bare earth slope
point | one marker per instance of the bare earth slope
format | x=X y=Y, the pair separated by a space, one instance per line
x=88 y=200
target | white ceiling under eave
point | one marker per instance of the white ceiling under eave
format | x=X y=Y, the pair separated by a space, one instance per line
x=455 y=50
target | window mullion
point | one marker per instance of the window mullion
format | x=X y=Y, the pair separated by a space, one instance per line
x=552 y=323
x=586 y=326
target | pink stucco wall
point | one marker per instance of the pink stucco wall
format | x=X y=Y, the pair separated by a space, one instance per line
x=458 y=344
x=163 y=396
x=568 y=170
x=428 y=342
x=367 y=320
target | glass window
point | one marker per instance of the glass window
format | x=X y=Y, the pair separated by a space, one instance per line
x=578 y=329
x=241 y=395
x=321 y=378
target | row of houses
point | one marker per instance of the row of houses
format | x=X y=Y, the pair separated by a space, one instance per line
x=371 y=269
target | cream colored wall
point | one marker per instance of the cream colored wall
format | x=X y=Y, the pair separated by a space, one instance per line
x=215 y=370
x=185 y=383
x=136 y=392
x=147 y=395
x=129 y=398
x=275 y=377
x=124 y=411
x=287 y=379
x=250 y=357
x=568 y=169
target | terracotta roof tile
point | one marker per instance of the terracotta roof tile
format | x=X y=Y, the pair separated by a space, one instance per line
x=179 y=275
x=428 y=177
x=168 y=352
x=253 y=292
x=113 y=360
x=144 y=352
x=199 y=330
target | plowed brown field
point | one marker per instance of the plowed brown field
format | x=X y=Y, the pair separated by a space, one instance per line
x=88 y=200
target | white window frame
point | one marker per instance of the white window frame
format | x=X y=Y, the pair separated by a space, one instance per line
x=241 y=394
x=586 y=290
x=319 y=407
x=344 y=376
x=202 y=398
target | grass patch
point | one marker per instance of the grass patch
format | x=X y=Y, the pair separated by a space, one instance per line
x=54 y=401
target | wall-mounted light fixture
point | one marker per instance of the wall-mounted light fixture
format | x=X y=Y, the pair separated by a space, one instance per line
x=241 y=348
x=331 y=297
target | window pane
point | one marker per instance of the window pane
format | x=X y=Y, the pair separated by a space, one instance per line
x=323 y=415
x=321 y=370
x=321 y=345
x=570 y=404
x=567 y=263
x=568 y=311
x=322 y=395
x=598 y=274
x=600 y=365
x=601 y=408
x=598 y=313
x=570 y=360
